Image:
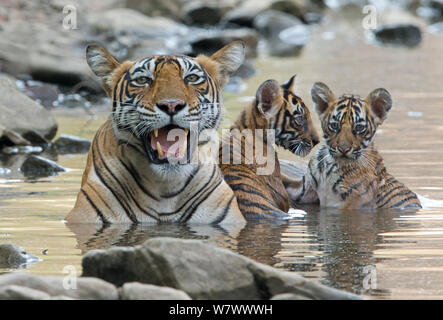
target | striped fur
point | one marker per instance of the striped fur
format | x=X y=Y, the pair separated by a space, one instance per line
x=347 y=171
x=126 y=178
x=276 y=108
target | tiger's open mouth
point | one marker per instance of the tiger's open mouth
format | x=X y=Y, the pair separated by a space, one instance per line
x=170 y=144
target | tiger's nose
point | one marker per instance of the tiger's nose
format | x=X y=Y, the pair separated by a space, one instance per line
x=171 y=106
x=344 y=148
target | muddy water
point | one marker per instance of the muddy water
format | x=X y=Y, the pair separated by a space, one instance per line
x=385 y=254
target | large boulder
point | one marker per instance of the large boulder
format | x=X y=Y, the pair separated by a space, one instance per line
x=76 y=288
x=399 y=35
x=22 y=119
x=140 y=291
x=200 y=270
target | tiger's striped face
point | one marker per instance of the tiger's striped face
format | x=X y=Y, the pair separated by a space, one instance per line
x=349 y=123
x=288 y=116
x=158 y=100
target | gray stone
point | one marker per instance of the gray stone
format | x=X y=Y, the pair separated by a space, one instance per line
x=13 y=256
x=35 y=166
x=67 y=144
x=23 y=117
x=139 y=291
x=289 y=296
x=202 y=13
x=200 y=270
x=208 y=42
x=399 y=35
x=270 y=23
x=14 y=292
x=80 y=288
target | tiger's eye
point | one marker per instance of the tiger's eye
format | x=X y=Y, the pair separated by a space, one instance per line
x=360 y=128
x=192 y=78
x=142 y=80
x=333 y=126
x=299 y=120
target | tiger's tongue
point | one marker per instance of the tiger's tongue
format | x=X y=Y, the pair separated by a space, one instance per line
x=168 y=147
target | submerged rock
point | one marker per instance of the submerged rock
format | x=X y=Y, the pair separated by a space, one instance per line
x=23 y=120
x=400 y=35
x=139 y=291
x=35 y=166
x=200 y=270
x=67 y=144
x=12 y=256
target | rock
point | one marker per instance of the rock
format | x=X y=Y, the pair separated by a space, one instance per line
x=399 y=35
x=35 y=167
x=56 y=54
x=210 y=41
x=235 y=84
x=139 y=291
x=201 y=13
x=295 y=8
x=27 y=120
x=200 y=270
x=13 y=292
x=80 y=288
x=286 y=35
x=288 y=296
x=243 y=18
x=246 y=70
x=121 y=21
x=22 y=150
x=167 y=8
x=42 y=93
x=12 y=256
x=67 y=144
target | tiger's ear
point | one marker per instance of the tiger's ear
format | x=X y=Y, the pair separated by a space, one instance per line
x=322 y=97
x=381 y=102
x=290 y=84
x=102 y=63
x=268 y=98
x=229 y=59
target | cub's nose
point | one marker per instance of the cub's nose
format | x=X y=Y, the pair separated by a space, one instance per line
x=315 y=141
x=344 y=148
x=171 y=106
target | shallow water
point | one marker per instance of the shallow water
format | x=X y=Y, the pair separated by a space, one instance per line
x=386 y=254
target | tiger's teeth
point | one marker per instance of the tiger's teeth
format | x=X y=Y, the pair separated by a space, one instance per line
x=160 y=150
x=156 y=133
x=186 y=131
x=183 y=149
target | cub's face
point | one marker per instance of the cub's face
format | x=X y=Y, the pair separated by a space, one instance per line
x=349 y=123
x=158 y=100
x=287 y=114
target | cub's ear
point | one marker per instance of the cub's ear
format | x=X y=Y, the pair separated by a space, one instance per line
x=381 y=102
x=322 y=97
x=229 y=59
x=102 y=63
x=290 y=84
x=268 y=98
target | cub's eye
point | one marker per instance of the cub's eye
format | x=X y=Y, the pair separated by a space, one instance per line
x=299 y=120
x=333 y=126
x=142 y=80
x=359 y=128
x=192 y=78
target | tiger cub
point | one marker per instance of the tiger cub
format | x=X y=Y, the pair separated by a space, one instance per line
x=256 y=178
x=348 y=172
x=144 y=166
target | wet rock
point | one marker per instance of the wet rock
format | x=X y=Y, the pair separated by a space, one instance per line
x=399 y=35
x=67 y=144
x=42 y=93
x=209 y=42
x=56 y=54
x=22 y=150
x=75 y=288
x=200 y=270
x=239 y=18
x=246 y=70
x=35 y=166
x=271 y=22
x=167 y=8
x=22 y=118
x=295 y=8
x=71 y=100
x=139 y=291
x=13 y=292
x=235 y=84
x=12 y=256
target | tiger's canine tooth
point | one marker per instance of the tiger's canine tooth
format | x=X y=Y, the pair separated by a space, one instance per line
x=186 y=131
x=160 y=150
x=156 y=133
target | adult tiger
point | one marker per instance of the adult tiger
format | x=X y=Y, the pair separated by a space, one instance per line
x=137 y=170
x=255 y=176
x=348 y=172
